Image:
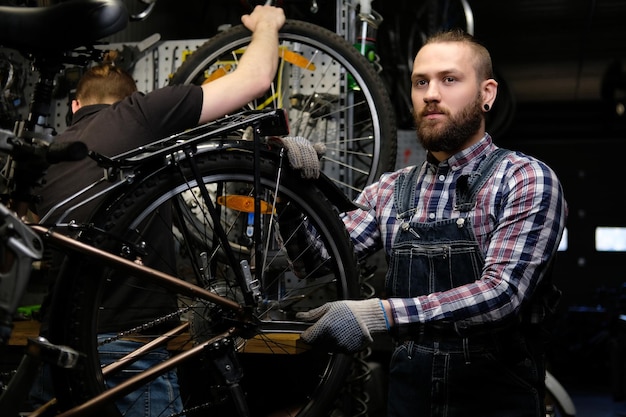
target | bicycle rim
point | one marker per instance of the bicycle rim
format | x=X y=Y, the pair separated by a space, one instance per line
x=280 y=374
x=333 y=96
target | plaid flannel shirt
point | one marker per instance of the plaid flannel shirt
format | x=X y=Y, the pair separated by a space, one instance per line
x=518 y=221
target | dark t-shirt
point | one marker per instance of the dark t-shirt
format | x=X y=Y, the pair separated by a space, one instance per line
x=111 y=130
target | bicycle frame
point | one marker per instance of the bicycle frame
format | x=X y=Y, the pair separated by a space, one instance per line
x=72 y=245
x=262 y=123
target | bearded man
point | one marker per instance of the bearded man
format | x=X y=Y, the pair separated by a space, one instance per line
x=469 y=237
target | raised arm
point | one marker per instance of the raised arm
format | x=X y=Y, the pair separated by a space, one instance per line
x=255 y=71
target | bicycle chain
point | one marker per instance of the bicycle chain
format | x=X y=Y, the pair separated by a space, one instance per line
x=145 y=326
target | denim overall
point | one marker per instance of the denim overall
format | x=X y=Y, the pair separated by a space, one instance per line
x=449 y=369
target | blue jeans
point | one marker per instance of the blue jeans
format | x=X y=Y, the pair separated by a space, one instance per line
x=162 y=393
x=148 y=401
x=42 y=390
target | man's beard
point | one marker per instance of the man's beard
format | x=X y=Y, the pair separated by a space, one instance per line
x=449 y=135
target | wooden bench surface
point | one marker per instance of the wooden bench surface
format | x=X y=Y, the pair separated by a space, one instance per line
x=22 y=330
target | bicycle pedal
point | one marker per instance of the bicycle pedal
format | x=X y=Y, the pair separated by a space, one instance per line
x=58 y=355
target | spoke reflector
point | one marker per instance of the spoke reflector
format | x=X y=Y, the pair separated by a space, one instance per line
x=243 y=203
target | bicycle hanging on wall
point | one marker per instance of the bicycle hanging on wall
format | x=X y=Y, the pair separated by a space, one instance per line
x=331 y=92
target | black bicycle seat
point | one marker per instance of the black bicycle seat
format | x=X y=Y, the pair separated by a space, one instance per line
x=60 y=27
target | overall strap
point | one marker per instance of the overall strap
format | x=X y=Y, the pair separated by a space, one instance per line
x=468 y=186
x=404 y=193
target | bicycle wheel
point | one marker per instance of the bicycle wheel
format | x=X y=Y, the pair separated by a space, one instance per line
x=302 y=259
x=332 y=93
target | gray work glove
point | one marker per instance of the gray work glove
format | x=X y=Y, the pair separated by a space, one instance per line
x=345 y=326
x=304 y=156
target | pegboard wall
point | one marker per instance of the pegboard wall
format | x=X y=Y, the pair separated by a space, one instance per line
x=410 y=152
x=152 y=69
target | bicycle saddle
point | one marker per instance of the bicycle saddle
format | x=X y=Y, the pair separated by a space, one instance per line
x=60 y=27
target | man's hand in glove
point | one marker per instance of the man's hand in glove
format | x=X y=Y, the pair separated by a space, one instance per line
x=303 y=155
x=345 y=326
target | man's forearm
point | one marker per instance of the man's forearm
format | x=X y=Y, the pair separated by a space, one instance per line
x=260 y=60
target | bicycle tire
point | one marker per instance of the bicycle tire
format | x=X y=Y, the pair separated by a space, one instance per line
x=342 y=103
x=558 y=402
x=269 y=379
